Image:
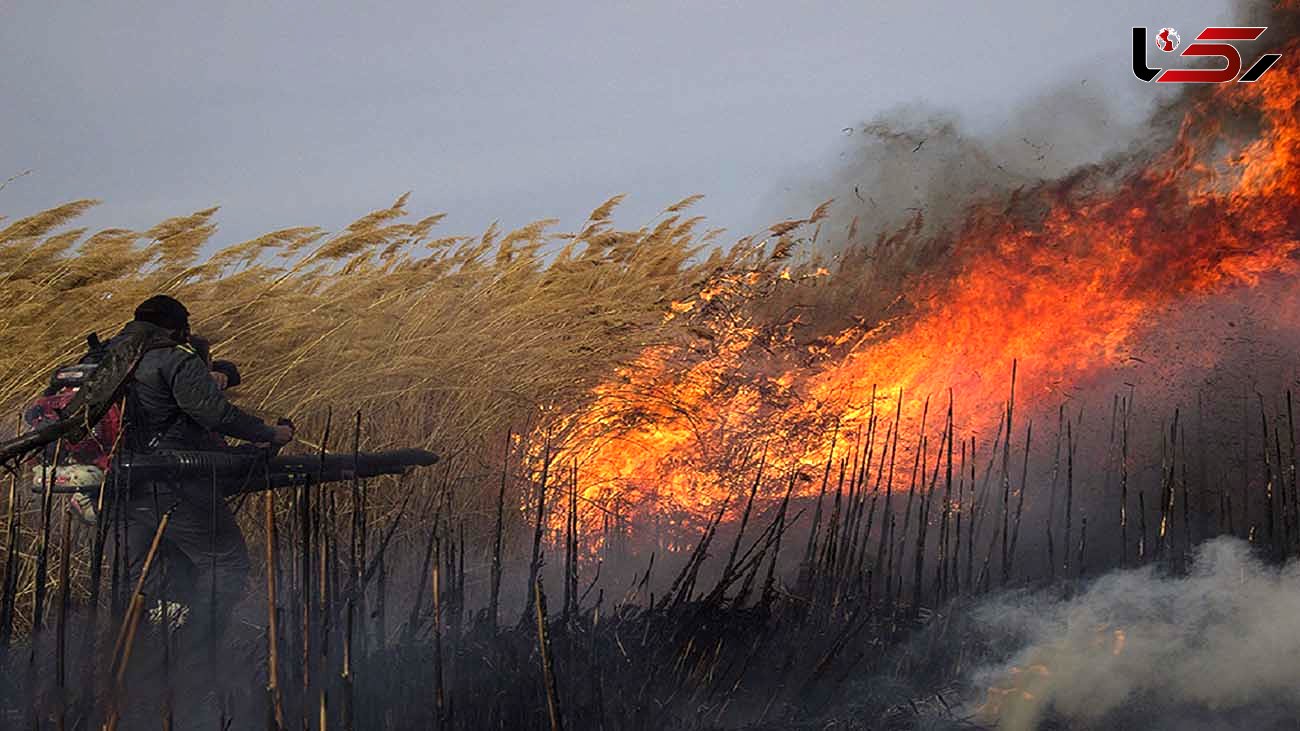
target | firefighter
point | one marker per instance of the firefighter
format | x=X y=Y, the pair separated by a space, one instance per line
x=174 y=403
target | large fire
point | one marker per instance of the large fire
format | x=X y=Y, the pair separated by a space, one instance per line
x=1062 y=279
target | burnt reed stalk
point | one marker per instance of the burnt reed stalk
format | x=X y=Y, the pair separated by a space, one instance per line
x=1142 y=527
x=13 y=525
x=494 y=589
x=275 y=703
x=953 y=579
x=826 y=566
x=859 y=538
x=1186 y=558
x=539 y=526
x=439 y=691
x=918 y=462
x=882 y=572
x=810 y=553
x=1123 y=483
x=1270 y=501
x=1020 y=503
x=973 y=523
x=922 y=524
x=1006 y=479
x=415 y=619
x=1291 y=472
x=553 y=708
x=1069 y=492
x=941 y=569
x=61 y=628
x=1167 y=486
x=43 y=547
x=569 y=543
x=862 y=574
x=1051 y=495
x=982 y=509
x=843 y=552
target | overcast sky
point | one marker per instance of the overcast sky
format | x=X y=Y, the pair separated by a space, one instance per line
x=314 y=113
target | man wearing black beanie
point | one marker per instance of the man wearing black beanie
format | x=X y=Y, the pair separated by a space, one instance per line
x=165 y=312
x=173 y=403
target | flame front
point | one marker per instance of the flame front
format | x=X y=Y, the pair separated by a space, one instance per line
x=1062 y=279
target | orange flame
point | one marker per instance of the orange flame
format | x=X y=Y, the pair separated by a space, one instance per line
x=1064 y=292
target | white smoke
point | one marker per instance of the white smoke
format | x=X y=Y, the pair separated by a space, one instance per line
x=1217 y=648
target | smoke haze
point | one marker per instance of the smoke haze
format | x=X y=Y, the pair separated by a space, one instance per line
x=1214 y=649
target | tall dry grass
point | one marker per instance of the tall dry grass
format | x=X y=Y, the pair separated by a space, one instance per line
x=445 y=339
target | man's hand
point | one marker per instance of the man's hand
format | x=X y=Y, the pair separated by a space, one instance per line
x=83 y=508
x=283 y=434
x=221 y=379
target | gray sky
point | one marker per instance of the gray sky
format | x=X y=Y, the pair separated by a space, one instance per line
x=314 y=113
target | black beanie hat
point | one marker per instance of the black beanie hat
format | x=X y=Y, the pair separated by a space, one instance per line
x=163 y=311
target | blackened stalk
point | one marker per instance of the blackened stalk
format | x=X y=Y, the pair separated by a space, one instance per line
x=922 y=524
x=941 y=571
x=345 y=673
x=954 y=568
x=494 y=596
x=918 y=462
x=355 y=506
x=1295 y=489
x=1284 y=515
x=1083 y=545
x=544 y=650
x=12 y=526
x=857 y=544
x=887 y=510
x=826 y=566
x=769 y=582
x=1123 y=483
x=973 y=524
x=1142 y=526
x=313 y=563
x=1020 y=505
x=1245 y=469
x=1069 y=492
x=1167 y=487
x=535 y=563
x=61 y=629
x=571 y=565
x=414 y=620
x=1006 y=477
x=860 y=565
x=303 y=595
x=272 y=621
x=810 y=553
x=843 y=552
x=697 y=558
x=43 y=551
x=439 y=692
x=1270 y=490
x=744 y=523
x=1051 y=495
x=1187 y=523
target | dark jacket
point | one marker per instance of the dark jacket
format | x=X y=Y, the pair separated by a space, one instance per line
x=173 y=403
